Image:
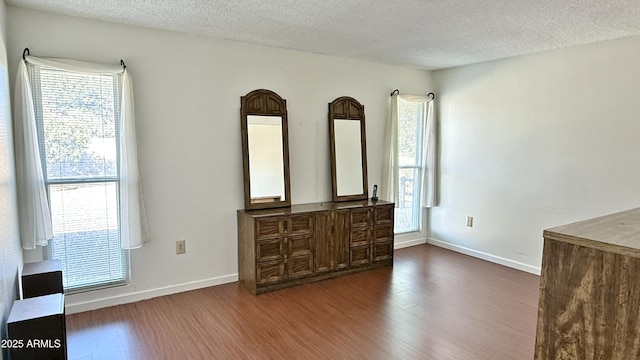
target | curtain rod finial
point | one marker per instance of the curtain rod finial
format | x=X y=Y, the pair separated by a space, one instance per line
x=433 y=96
x=396 y=91
x=122 y=63
x=25 y=52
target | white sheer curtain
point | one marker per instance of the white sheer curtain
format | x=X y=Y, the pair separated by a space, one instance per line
x=133 y=219
x=428 y=189
x=33 y=206
x=35 y=219
x=389 y=186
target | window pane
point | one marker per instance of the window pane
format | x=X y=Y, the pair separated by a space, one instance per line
x=85 y=225
x=77 y=118
x=407 y=214
x=79 y=127
x=409 y=133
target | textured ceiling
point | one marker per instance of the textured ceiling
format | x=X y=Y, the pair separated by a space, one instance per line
x=430 y=34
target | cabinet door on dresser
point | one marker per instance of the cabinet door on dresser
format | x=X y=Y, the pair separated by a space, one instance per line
x=340 y=237
x=270 y=246
x=299 y=242
x=383 y=232
x=284 y=247
x=300 y=255
x=332 y=241
x=360 y=236
x=323 y=250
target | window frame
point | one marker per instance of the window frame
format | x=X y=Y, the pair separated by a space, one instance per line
x=417 y=166
x=36 y=85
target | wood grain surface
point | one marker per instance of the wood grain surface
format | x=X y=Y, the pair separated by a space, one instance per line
x=617 y=233
x=303 y=246
x=589 y=304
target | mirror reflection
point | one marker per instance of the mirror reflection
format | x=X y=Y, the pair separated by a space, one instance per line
x=348 y=149
x=265 y=158
x=348 y=153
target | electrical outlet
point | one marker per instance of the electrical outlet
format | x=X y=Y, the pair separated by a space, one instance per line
x=469 y=221
x=180 y=247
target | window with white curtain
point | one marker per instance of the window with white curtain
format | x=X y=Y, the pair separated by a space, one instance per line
x=77 y=121
x=408 y=214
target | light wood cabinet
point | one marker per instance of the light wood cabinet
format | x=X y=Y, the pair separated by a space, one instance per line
x=589 y=304
x=289 y=246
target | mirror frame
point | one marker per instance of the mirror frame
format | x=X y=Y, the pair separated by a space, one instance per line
x=347 y=108
x=264 y=102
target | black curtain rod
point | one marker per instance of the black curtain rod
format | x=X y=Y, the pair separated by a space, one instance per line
x=396 y=91
x=26 y=52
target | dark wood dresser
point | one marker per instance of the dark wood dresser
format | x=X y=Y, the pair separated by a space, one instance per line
x=285 y=247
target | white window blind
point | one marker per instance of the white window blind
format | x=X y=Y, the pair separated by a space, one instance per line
x=77 y=117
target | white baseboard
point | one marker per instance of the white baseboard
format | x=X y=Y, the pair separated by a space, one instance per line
x=72 y=307
x=485 y=256
x=403 y=244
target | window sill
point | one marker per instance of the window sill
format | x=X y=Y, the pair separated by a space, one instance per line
x=85 y=289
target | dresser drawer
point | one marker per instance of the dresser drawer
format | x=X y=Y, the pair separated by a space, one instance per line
x=383 y=214
x=382 y=250
x=300 y=224
x=360 y=255
x=383 y=233
x=360 y=236
x=271 y=271
x=269 y=250
x=300 y=245
x=269 y=227
x=360 y=217
x=300 y=266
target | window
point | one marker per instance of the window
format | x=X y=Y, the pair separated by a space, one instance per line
x=408 y=214
x=77 y=119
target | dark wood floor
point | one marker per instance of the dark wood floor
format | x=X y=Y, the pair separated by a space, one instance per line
x=433 y=304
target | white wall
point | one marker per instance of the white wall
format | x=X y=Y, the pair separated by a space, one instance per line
x=188 y=92
x=10 y=251
x=533 y=142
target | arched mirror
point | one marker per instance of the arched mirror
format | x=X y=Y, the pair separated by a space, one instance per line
x=348 y=149
x=265 y=150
